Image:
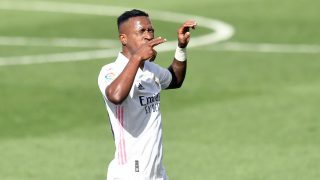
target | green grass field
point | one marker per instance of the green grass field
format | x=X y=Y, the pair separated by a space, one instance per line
x=242 y=114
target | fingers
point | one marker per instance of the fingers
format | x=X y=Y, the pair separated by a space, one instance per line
x=190 y=23
x=186 y=26
x=146 y=51
x=156 y=41
x=154 y=56
x=184 y=34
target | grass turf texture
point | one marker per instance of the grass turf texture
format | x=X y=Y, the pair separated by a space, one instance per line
x=239 y=115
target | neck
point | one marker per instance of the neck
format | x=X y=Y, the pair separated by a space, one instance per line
x=127 y=54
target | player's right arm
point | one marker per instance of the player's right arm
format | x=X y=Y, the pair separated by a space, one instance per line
x=120 y=88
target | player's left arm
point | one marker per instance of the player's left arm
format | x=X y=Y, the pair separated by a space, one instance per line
x=178 y=66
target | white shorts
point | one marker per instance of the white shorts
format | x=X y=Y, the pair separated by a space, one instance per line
x=126 y=172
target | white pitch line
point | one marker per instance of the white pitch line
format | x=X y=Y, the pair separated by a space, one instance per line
x=58 y=57
x=220 y=30
x=58 y=42
x=265 y=47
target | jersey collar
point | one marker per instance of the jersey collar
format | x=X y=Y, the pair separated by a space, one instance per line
x=122 y=60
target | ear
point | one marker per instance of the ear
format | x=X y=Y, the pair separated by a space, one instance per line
x=123 y=39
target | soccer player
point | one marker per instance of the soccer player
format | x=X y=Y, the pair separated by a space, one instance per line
x=131 y=90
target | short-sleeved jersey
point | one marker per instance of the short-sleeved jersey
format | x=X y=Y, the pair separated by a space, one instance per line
x=136 y=122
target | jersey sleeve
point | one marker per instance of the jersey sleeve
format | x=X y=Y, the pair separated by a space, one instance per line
x=106 y=76
x=164 y=76
x=165 y=79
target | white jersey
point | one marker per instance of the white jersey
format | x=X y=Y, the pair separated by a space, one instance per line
x=136 y=122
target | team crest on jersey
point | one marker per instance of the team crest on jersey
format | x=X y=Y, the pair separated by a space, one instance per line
x=110 y=76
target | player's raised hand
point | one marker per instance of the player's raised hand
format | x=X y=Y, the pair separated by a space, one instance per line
x=184 y=33
x=146 y=51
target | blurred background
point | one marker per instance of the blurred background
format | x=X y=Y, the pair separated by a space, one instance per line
x=248 y=109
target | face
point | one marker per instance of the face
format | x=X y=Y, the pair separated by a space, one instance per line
x=135 y=32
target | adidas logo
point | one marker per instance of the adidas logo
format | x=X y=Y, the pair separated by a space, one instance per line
x=140 y=87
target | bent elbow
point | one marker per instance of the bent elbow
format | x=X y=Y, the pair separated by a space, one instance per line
x=175 y=85
x=178 y=85
x=114 y=97
x=115 y=101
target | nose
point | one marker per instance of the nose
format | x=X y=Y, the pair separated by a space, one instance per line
x=148 y=35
